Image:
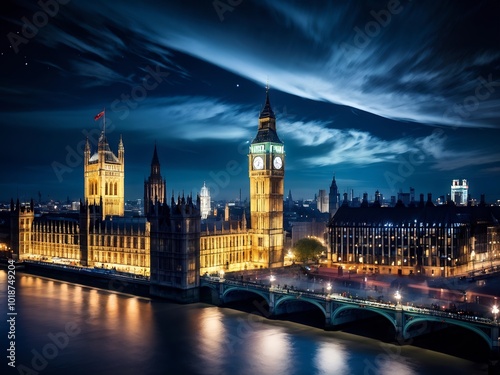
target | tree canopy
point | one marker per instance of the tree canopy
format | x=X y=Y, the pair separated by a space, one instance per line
x=308 y=248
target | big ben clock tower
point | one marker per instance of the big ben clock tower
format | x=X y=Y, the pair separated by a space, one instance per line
x=266 y=167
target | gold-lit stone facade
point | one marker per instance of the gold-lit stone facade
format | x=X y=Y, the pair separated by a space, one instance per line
x=123 y=245
x=266 y=167
x=83 y=239
x=168 y=244
x=55 y=238
x=227 y=248
x=104 y=177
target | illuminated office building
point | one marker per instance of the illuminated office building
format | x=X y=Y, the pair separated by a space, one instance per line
x=459 y=192
x=420 y=239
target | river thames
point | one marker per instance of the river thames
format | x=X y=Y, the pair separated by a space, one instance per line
x=64 y=328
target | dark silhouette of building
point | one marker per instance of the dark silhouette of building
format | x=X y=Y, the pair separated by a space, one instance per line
x=155 y=186
x=333 y=198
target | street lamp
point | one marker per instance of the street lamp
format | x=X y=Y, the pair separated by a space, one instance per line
x=329 y=288
x=272 y=278
x=473 y=258
x=494 y=310
x=397 y=295
x=221 y=274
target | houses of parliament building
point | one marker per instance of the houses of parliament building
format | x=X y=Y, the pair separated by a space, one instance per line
x=169 y=244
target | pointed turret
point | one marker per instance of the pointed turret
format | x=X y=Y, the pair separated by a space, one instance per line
x=87 y=145
x=267 y=124
x=121 y=150
x=155 y=164
x=154 y=186
x=267 y=111
x=244 y=220
x=333 y=198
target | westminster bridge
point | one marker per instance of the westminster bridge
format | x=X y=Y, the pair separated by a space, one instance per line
x=408 y=321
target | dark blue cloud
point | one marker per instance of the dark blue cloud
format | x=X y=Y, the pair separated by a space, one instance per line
x=357 y=88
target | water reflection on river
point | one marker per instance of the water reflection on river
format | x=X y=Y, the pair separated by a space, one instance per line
x=104 y=332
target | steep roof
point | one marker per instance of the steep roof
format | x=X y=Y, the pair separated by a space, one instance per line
x=267 y=124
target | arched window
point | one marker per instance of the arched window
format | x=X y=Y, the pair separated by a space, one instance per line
x=106 y=191
x=116 y=188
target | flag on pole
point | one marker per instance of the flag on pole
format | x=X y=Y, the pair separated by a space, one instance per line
x=98 y=116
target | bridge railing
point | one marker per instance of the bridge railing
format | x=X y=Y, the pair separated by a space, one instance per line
x=354 y=300
x=450 y=315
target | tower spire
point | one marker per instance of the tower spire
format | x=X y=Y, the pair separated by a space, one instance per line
x=267 y=123
x=155 y=160
x=154 y=185
x=267 y=111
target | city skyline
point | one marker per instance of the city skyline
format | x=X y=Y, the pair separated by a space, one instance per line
x=386 y=95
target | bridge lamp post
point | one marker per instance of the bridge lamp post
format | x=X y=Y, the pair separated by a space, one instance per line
x=495 y=310
x=329 y=288
x=397 y=295
x=473 y=259
x=272 y=278
x=221 y=275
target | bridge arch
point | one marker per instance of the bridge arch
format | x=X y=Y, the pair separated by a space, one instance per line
x=230 y=289
x=385 y=314
x=301 y=299
x=459 y=323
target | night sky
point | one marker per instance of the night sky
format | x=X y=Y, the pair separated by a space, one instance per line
x=385 y=95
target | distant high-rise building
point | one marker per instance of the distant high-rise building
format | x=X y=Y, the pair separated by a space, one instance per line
x=404 y=198
x=205 y=201
x=459 y=191
x=322 y=201
x=378 y=199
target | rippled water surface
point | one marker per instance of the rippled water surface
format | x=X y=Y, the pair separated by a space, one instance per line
x=64 y=328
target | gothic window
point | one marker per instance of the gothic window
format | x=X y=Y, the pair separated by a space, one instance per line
x=106 y=191
x=116 y=188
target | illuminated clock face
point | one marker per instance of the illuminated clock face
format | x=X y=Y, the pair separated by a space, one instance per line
x=258 y=162
x=277 y=162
